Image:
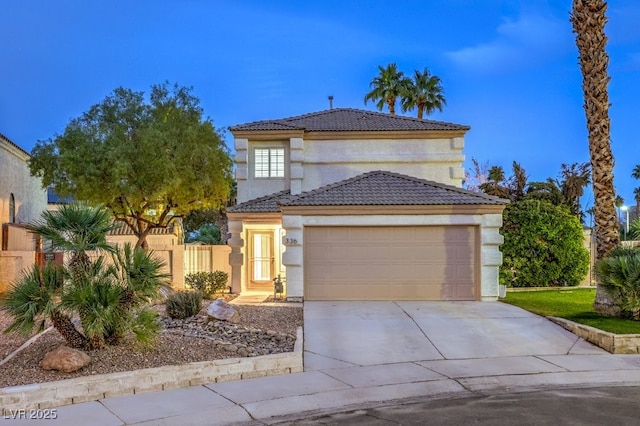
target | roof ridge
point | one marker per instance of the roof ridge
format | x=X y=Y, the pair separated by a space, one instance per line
x=377 y=113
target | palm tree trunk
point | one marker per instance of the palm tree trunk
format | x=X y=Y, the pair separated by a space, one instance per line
x=68 y=331
x=420 y=111
x=588 y=19
x=391 y=102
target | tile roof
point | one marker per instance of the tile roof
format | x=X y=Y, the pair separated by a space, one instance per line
x=267 y=204
x=10 y=142
x=378 y=188
x=348 y=119
x=381 y=188
x=124 y=229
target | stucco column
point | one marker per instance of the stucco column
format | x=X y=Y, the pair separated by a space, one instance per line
x=292 y=257
x=236 y=259
x=296 y=170
x=491 y=256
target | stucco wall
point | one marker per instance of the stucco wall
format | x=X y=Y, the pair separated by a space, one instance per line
x=490 y=256
x=30 y=198
x=12 y=264
x=329 y=161
x=314 y=163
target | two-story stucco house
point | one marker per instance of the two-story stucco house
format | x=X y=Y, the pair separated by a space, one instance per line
x=357 y=205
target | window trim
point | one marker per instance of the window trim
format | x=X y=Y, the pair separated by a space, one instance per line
x=270 y=163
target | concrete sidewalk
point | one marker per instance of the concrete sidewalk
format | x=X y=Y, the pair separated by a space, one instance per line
x=366 y=354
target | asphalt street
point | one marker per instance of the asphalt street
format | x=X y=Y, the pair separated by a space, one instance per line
x=587 y=406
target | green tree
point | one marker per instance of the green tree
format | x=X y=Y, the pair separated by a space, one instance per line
x=386 y=87
x=573 y=179
x=512 y=188
x=424 y=92
x=543 y=246
x=588 y=18
x=149 y=161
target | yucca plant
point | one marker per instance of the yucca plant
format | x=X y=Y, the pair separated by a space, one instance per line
x=619 y=273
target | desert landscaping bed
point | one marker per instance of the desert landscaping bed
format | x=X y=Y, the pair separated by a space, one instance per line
x=262 y=330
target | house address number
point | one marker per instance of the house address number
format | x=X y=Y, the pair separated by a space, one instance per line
x=290 y=241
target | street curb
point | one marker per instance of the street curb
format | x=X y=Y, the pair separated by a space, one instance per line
x=610 y=342
x=94 y=388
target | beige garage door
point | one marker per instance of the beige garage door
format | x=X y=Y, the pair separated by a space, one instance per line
x=390 y=263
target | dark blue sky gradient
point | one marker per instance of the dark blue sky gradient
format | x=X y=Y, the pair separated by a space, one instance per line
x=509 y=68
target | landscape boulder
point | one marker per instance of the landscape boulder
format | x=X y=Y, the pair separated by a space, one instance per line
x=221 y=310
x=65 y=359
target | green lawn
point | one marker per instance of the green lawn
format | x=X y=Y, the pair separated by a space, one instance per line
x=573 y=304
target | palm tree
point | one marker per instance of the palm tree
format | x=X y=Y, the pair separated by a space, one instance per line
x=76 y=228
x=574 y=178
x=387 y=87
x=636 y=191
x=108 y=298
x=588 y=19
x=424 y=92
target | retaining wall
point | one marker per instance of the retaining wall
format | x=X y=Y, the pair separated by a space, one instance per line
x=93 y=388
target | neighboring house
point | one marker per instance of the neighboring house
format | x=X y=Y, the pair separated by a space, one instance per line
x=357 y=205
x=22 y=200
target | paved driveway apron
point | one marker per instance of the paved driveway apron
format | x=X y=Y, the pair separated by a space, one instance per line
x=343 y=334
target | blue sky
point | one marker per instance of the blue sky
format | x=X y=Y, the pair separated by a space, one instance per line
x=509 y=68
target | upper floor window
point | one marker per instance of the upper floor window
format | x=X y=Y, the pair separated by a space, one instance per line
x=12 y=209
x=269 y=163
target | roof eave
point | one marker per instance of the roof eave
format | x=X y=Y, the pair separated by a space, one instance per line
x=384 y=134
x=351 y=210
x=266 y=135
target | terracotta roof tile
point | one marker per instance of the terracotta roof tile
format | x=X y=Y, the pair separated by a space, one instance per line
x=348 y=119
x=378 y=188
x=266 y=204
x=124 y=229
x=381 y=188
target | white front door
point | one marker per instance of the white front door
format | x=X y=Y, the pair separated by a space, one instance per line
x=261 y=259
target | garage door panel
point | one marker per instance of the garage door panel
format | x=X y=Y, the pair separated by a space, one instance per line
x=383 y=263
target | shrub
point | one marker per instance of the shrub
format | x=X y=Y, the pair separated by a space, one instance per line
x=543 y=246
x=208 y=283
x=619 y=273
x=184 y=304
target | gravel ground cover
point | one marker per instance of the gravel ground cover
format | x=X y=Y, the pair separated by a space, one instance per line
x=262 y=329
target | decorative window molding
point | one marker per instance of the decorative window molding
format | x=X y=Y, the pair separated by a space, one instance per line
x=269 y=163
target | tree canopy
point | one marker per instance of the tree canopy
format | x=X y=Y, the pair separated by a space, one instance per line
x=423 y=91
x=149 y=160
x=543 y=245
x=387 y=86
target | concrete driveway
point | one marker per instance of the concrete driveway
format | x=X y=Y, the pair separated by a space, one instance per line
x=344 y=334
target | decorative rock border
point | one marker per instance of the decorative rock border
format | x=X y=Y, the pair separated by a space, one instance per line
x=93 y=388
x=610 y=342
